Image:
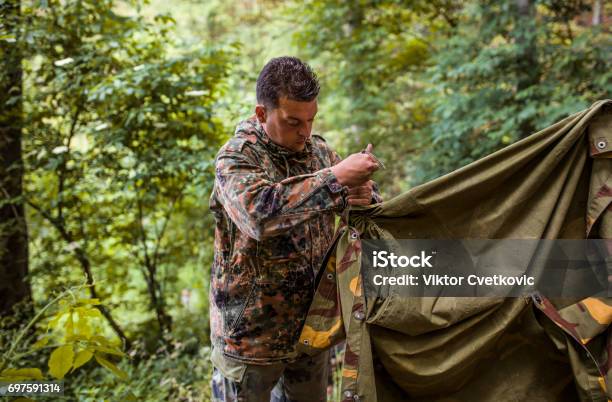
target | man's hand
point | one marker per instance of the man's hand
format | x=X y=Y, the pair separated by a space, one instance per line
x=361 y=195
x=355 y=170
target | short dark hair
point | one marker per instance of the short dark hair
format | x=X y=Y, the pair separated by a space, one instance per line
x=289 y=77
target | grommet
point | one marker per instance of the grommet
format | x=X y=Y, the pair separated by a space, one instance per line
x=306 y=341
x=601 y=143
x=330 y=276
x=354 y=235
x=356 y=398
x=348 y=394
x=359 y=315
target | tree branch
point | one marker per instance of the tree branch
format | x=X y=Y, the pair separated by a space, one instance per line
x=83 y=260
x=62 y=169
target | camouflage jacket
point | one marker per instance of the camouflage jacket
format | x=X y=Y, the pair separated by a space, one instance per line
x=381 y=334
x=275 y=214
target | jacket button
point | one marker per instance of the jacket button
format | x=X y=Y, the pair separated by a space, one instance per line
x=359 y=315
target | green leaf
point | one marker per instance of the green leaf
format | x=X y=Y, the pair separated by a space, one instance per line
x=42 y=342
x=21 y=374
x=111 y=366
x=60 y=361
x=81 y=358
x=110 y=351
x=55 y=321
x=69 y=327
x=94 y=302
x=83 y=327
x=103 y=341
x=90 y=312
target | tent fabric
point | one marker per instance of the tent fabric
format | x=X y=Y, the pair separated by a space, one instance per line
x=554 y=184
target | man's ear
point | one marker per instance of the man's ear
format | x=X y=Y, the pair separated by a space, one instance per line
x=260 y=112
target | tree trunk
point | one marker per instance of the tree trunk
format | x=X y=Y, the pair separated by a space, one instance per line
x=356 y=89
x=14 y=286
x=527 y=67
x=597 y=9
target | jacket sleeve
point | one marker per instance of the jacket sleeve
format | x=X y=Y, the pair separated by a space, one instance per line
x=376 y=197
x=263 y=208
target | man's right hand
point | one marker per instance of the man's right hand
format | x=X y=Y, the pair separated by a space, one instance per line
x=356 y=169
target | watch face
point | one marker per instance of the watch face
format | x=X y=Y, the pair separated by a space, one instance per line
x=335 y=187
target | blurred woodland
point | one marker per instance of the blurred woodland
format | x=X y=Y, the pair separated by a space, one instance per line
x=111 y=113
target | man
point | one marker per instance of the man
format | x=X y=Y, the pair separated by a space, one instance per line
x=275 y=194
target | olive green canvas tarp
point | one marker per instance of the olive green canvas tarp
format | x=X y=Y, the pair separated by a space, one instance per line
x=555 y=184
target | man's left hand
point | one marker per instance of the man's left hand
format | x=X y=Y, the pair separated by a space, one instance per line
x=361 y=195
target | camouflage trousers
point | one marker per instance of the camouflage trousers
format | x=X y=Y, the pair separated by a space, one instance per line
x=304 y=380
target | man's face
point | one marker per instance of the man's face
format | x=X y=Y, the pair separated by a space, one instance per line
x=290 y=124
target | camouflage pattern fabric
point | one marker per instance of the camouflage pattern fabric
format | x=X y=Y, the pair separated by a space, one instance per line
x=554 y=184
x=274 y=213
x=304 y=380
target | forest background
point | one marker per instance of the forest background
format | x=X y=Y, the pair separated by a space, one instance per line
x=111 y=113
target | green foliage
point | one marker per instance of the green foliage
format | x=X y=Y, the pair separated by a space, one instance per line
x=60 y=361
x=368 y=54
x=503 y=75
x=71 y=332
x=79 y=321
x=124 y=109
x=119 y=131
x=436 y=85
x=180 y=375
x=67 y=341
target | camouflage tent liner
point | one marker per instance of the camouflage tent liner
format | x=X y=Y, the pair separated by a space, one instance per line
x=555 y=184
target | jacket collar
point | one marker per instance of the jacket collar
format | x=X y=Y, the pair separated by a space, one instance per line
x=253 y=126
